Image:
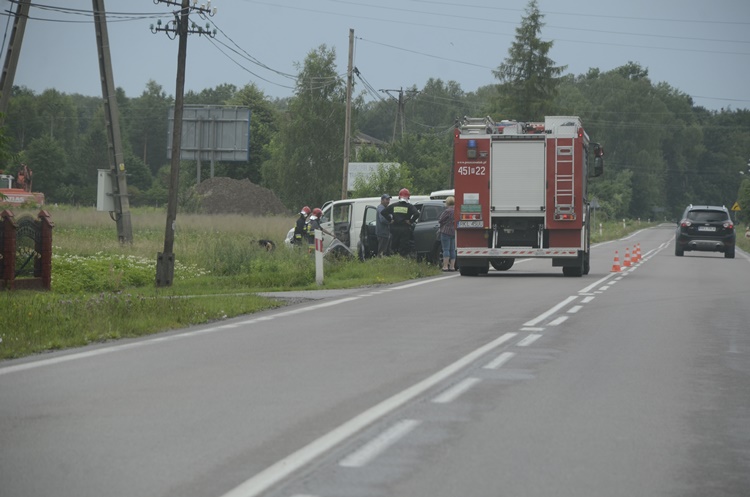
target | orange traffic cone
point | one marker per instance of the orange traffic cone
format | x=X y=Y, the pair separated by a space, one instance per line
x=638 y=252
x=616 y=265
x=626 y=260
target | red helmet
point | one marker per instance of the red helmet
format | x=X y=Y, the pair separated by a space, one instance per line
x=305 y=210
x=317 y=212
x=404 y=193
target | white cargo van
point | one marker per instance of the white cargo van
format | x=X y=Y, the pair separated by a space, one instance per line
x=344 y=218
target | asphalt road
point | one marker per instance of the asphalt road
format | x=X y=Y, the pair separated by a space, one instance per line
x=520 y=383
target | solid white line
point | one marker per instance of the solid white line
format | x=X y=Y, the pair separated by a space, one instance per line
x=528 y=340
x=575 y=309
x=499 y=360
x=544 y=316
x=455 y=391
x=379 y=444
x=558 y=321
x=293 y=462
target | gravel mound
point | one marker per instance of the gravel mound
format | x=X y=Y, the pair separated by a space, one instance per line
x=238 y=196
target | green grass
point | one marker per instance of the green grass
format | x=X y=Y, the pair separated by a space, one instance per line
x=103 y=290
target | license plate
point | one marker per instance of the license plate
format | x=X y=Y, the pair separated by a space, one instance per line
x=471 y=224
x=706 y=228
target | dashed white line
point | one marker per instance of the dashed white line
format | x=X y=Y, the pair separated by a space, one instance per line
x=528 y=340
x=532 y=328
x=379 y=444
x=558 y=321
x=499 y=360
x=455 y=391
x=575 y=309
x=586 y=300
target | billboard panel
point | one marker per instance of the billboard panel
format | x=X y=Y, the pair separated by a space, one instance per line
x=212 y=132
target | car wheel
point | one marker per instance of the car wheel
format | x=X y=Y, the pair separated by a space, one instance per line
x=678 y=251
x=436 y=255
x=729 y=252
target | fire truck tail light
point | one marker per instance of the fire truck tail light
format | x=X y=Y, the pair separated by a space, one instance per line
x=565 y=217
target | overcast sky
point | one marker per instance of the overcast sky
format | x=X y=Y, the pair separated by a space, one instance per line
x=700 y=48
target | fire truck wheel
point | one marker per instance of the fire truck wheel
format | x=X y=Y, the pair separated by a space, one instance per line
x=469 y=271
x=502 y=264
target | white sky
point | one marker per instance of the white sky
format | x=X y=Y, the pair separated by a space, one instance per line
x=701 y=48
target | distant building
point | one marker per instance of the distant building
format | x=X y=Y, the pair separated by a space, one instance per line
x=362 y=140
x=364 y=170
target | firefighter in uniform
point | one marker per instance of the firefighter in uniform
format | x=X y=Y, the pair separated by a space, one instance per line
x=402 y=215
x=314 y=224
x=301 y=227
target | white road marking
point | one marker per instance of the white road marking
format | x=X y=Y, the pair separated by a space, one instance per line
x=596 y=283
x=379 y=444
x=532 y=328
x=575 y=309
x=553 y=310
x=455 y=391
x=558 y=321
x=281 y=469
x=528 y=340
x=499 y=360
x=586 y=300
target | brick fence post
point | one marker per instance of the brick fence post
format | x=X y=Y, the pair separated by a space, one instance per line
x=8 y=260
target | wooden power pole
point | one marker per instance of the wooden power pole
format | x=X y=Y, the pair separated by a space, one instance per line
x=121 y=215
x=180 y=26
x=348 y=120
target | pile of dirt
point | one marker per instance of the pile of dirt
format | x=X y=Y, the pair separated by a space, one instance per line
x=238 y=196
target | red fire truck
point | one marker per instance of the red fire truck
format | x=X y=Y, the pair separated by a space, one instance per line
x=521 y=192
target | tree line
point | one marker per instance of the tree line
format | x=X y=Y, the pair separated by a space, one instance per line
x=662 y=151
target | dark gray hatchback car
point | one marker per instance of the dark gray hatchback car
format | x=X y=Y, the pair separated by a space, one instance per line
x=706 y=228
x=426 y=241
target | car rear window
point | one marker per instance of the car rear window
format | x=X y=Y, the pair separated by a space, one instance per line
x=707 y=216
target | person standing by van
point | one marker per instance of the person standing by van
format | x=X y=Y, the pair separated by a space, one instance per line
x=382 y=227
x=447 y=229
x=402 y=216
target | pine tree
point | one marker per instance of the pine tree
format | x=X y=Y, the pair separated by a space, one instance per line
x=528 y=77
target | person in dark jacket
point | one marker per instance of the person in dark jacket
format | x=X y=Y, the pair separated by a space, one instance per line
x=382 y=227
x=300 y=227
x=402 y=215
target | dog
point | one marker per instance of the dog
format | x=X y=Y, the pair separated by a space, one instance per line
x=267 y=244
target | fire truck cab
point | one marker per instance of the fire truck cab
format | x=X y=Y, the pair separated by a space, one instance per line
x=521 y=192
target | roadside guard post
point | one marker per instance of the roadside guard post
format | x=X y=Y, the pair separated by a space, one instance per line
x=318 y=257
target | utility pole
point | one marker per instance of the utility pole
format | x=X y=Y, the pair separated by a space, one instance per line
x=121 y=215
x=348 y=120
x=179 y=27
x=11 y=57
x=400 y=115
